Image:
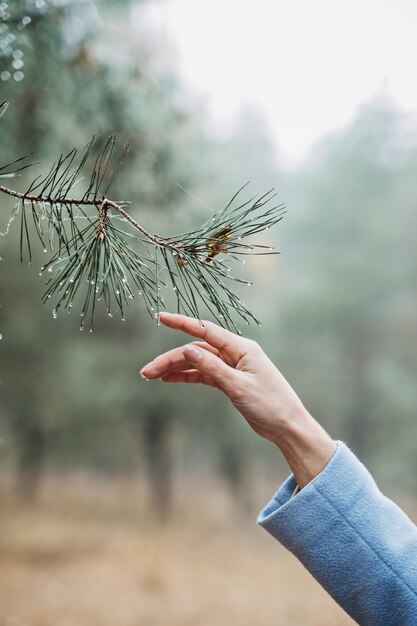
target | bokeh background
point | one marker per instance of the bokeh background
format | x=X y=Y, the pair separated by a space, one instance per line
x=134 y=504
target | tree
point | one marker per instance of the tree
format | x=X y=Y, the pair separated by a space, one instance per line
x=59 y=73
x=349 y=278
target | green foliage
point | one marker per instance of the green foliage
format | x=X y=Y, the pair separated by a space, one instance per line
x=85 y=233
x=73 y=91
x=350 y=284
x=339 y=314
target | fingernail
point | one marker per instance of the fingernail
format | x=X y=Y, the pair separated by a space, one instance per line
x=146 y=376
x=145 y=367
x=192 y=354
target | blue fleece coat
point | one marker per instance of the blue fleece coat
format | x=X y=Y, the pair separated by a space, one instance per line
x=359 y=545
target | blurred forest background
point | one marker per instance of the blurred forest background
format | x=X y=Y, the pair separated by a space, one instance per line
x=119 y=498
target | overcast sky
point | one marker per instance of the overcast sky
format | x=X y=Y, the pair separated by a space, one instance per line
x=306 y=64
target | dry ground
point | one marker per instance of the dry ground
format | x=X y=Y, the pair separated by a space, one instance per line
x=87 y=554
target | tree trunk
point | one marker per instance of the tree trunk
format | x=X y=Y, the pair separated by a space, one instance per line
x=157 y=439
x=30 y=437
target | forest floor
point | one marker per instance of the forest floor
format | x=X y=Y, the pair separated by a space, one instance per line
x=87 y=554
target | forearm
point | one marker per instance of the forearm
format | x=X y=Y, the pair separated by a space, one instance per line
x=305 y=445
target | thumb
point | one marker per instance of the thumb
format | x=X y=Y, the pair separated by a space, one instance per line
x=211 y=366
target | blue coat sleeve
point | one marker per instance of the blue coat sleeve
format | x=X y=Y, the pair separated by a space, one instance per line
x=358 y=544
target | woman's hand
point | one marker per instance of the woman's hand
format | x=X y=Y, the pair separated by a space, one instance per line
x=240 y=368
x=236 y=366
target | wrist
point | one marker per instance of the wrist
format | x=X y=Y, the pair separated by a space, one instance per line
x=292 y=425
x=305 y=444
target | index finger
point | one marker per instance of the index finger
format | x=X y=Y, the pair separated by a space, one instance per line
x=218 y=337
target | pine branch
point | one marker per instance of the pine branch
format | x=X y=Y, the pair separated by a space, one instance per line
x=94 y=258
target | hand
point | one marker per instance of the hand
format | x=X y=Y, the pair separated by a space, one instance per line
x=240 y=369
x=237 y=366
